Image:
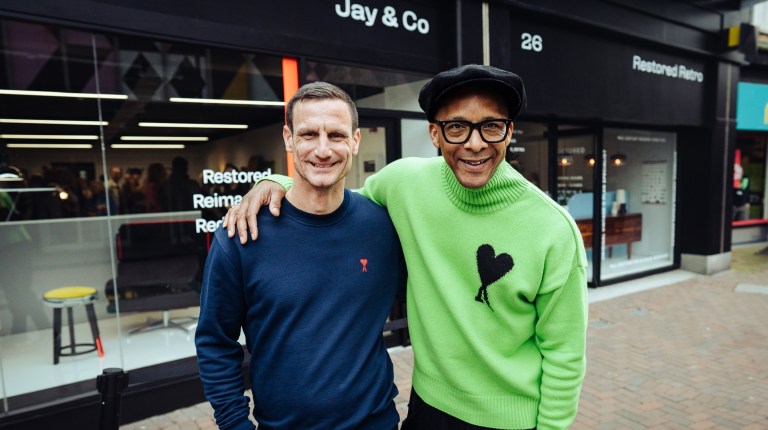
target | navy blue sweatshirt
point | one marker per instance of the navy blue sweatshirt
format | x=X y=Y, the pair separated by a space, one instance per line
x=311 y=295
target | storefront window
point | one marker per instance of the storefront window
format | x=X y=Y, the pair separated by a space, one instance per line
x=749 y=189
x=53 y=233
x=634 y=230
x=575 y=166
x=528 y=153
x=639 y=214
x=372 y=88
x=130 y=151
x=415 y=140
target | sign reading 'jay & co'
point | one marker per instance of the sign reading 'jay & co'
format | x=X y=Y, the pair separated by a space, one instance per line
x=387 y=16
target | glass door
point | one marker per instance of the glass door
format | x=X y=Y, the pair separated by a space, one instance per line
x=561 y=161
x=617 y=184
x=575 y=164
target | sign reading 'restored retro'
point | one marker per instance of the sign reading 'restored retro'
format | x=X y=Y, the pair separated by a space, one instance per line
x=676 y=71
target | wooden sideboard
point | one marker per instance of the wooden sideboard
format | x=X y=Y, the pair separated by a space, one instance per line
x=619 y=230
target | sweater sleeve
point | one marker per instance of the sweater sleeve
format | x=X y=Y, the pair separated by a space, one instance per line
x=378 y=186
x=285 y=181
x=219 y=354
x=561 y=335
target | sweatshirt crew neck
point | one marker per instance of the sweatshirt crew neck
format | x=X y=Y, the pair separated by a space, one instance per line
x=316 y=220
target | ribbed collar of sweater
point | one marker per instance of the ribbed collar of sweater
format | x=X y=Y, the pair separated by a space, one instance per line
x=503 y=189
x=316 y=220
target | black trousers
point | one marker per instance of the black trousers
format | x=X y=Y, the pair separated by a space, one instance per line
x=422 y=416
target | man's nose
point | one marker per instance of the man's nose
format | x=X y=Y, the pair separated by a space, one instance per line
x=323 y=149
x=475 y=142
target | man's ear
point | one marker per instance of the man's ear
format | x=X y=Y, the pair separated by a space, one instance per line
x=288 y=139
x=434 y=134
x=355 y=141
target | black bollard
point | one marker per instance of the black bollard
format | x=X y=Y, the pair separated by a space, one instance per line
x=111 y=384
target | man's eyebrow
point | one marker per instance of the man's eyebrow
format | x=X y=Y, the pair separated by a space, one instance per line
x=463 y=118
x=305 y=129
x=455 y=118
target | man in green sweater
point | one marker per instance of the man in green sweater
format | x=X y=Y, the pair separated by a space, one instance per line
x=497 y=300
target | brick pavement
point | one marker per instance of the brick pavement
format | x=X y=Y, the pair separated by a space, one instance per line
x=692 y=355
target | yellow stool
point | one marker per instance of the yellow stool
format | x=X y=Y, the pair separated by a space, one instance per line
x=68 y=297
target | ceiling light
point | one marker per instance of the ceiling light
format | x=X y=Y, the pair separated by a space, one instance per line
x=618 y=159
x=190 y=125
x=167 y=138
x=147 y=146
x=49 y=145
x=63 y=94
x=50 y=121
x=29 y=190
x=564 y=159
x=50 y=136
x=590 y=160
x=227 y=101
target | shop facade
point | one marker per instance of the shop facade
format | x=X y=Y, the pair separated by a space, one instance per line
x=100 y=101
x=629 y=125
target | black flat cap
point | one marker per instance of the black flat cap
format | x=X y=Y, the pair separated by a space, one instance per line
x=508 y=84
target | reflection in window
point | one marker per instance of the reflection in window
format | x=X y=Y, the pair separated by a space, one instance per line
x=162 y=136
x=165 y=111
x=372 y=88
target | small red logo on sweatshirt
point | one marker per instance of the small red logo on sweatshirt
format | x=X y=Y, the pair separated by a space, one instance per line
x=364 y=262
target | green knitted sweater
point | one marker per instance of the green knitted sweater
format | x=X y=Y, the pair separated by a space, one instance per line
x=497 y=297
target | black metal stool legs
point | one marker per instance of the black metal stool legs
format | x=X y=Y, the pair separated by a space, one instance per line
x=71 y=319
x=94 y=328
x=56 y=335
x=58 y=348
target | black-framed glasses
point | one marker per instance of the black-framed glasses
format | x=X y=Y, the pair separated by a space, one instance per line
x=491 y=130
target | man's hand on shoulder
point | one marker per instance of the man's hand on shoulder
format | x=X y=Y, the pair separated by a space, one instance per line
x=242 y=216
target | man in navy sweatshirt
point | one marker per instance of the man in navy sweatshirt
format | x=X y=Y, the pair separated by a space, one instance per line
x=311 y=295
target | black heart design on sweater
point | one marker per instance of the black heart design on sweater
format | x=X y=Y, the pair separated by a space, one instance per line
x=491 y=268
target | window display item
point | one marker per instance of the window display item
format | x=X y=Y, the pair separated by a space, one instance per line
x=69 y=297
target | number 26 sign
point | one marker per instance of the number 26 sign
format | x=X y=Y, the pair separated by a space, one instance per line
x=531 y=42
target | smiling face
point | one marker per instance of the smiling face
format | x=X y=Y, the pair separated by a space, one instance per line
x=474 y=162
x=323 y=143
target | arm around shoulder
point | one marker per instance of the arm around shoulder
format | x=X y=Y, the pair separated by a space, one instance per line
x=285 y=181
x=386 y=182
x=270 y=191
